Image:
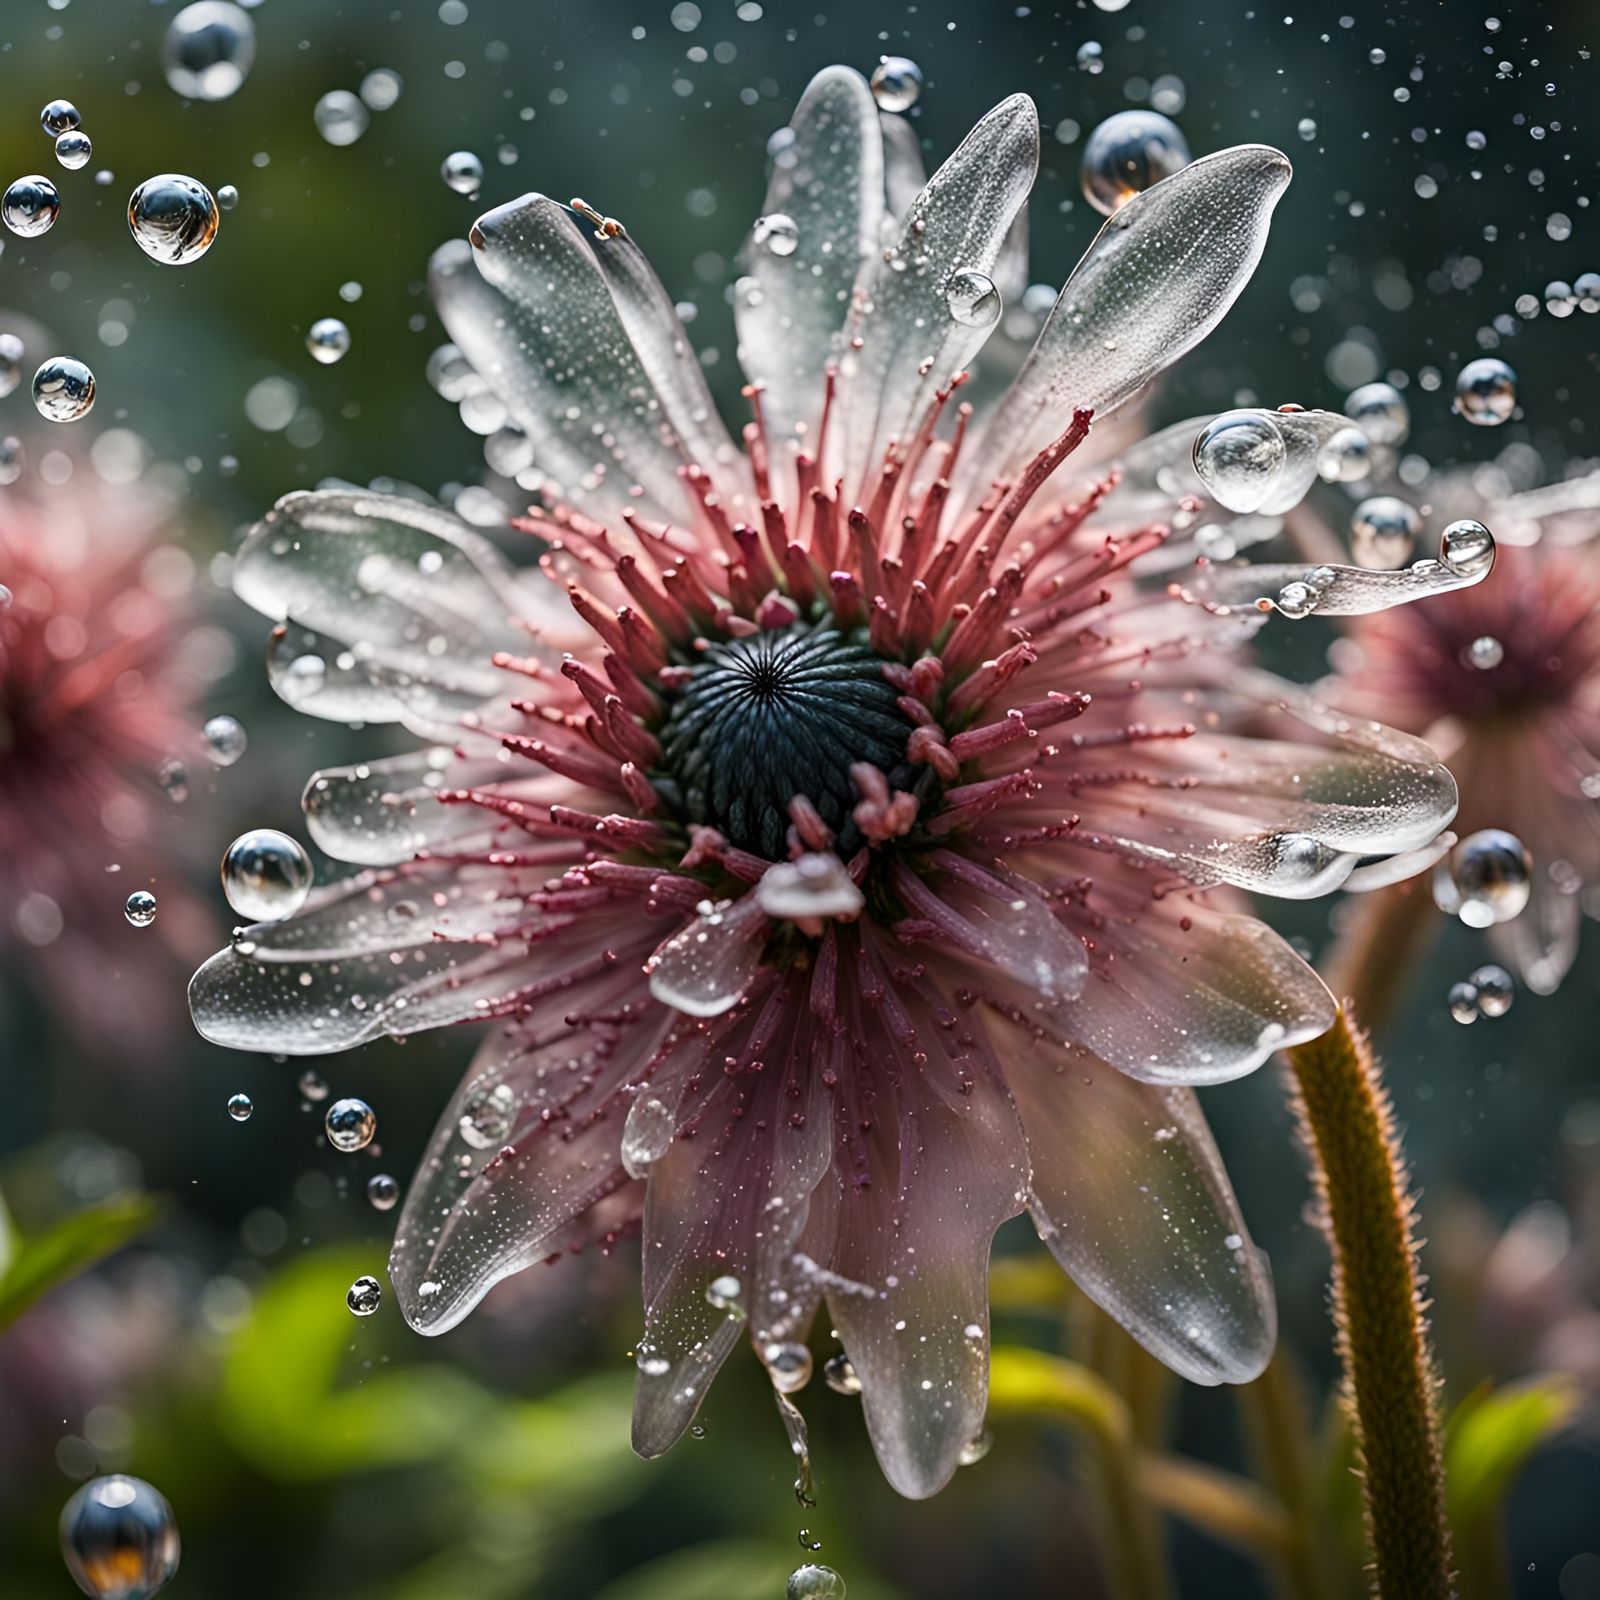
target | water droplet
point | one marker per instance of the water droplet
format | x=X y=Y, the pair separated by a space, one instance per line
x=30 y=206
x=1477 y=141
x=463 y=172
x=383 y=1192
x=1239 y=457
x=487 y=1115
x=1467 y=548
x=63 y=390
x=1296 y=600
x=12 y=457
x=173 y=777
x=140 y=908
x=1486 y=879
x=1091 y=58
x=808 y=1540
x=228 y=196
x=266 y=875
x=1380 y=411
x=1383 y=532
x=340 y=116
x=1127 y=153
x=814 y=1583
x=974 y=1450
x=1463 y=1003
x=840 y=1375
x=173 y=218
x=364 y=1297
x=1486 y=392
x=1306 y=128
x=788 y=1365
x=240 y=1106
x=896 y=83
x=704 y=968
x=1485 y=653
x=209 y=50
x=327 y=339
x=381 y=87
x=225 y=740
x=11 y=356
x=313 y=1086
x=119 y=1539
x=1345 y=457
x=73 y=149
x=776 y=234
x=350 y=1124
x=646 y=1135
x=972 y=298
x=813 y=885
x=726 y=1294
x=1495 y=989
x=58 y=117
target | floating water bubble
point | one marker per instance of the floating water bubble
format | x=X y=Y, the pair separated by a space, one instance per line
x=208 y=50
x=313 y=1086
x=383 y=1192
x=776 y=234
x=1345 y=457
x=58 y=117
x=11 y=357
x=1463 y=1003
x=380 y=89
x=1477 y=141
x=1485 y=653
x=1383 y=532
x=73 y=149
x=350 y=1124
x=341 y=117
x=1486 y=879
x=972 y=298
x=1587 y=288
x=463 y=172
x=1495 y=990
x=119 y=1539
x=487 y=1115
x=1306 y=127
x=1486 y=392
x=1091 y=58
x=896 y=83
x=1559 y=299
x=327 y=339
x=173 y=777
x=225 y=739
x=30 y=206
x=364 y=1296
x=12 y=458
x=1126 y=154
x=173 y=218
x=974 y=1450
x=646 y=1135
x=814 y=1583
x=788 y=1365
x=228 y=196
x=63 y=390
x=840 y=1375
x=140 y=908
x=240 y=1106
x=1240 y=456
x=726 y=1294
x=266 y=875
x=1380 y=411
x=1467 y=548
x=350 y=292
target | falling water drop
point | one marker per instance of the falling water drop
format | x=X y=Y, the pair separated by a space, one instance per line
x=383 y=1192
x=814 y=1583
x=119 y=1539
x=1495 y=989
x=140 y=908
x=840 y=1375
x=350 y=1124
x=972 y=298
x=341 y=117
x=240 y=1106
x=1486 y=879
x=1383 y=532
x=266 y=875
x=63 y=390
x=327 y=339
x=777 y=234
x=225 y=740
x=1126 y=154
x=228 y=196
x=364 y=1296
x=1486 y=392
x=173 y=218
x=208 y=50
x=12 y=457
x=646 y=1135
x=463 y=172
x=788 y=1365
x=30 y=206
x=74 y=149
x=58 y=117
x=896 y=83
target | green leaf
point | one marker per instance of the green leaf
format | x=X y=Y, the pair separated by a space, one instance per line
x=1492 y=1433
x=32 y=1267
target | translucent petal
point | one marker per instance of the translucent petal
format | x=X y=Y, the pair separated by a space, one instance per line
x=393 y=609
x=910 y=343
x=1396 y=869
x=904 y=175
x=789 y=308
x=1130 y=1195
x=532 y=311
x=526 y=1146
x=704 y=968
x=1159 y=276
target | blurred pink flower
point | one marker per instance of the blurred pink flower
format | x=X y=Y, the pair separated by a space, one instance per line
x=842 y=885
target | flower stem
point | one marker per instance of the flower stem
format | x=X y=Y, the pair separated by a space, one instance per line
x=1389 y=1379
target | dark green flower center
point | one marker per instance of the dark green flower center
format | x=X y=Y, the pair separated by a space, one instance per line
x=780 y=714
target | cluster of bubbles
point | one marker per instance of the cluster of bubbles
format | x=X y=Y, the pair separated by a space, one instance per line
x=1486 y=879
x=1487 y=993
x=119 y=1539
x=1126 y=154
x=266 y=875
x=61 y=121
x=342 y=116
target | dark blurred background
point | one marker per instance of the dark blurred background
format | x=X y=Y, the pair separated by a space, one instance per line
x=311 y=1455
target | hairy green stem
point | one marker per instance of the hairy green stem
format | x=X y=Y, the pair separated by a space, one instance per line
x=1390 y=1385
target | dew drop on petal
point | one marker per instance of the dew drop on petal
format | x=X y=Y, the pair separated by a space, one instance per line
x=645 y=1135
x=266 y=875
x=462 y=171
x=840 y=1375
x=1486 y=879
x=1383 y=532
x=726 y=1293
x=777 y=234
x=1467 y=548
x=1126 y=154
x=74 y=149
x=341 y=117
x=1495 y=990
x=1239 y=457
x=327 y=339
x=173 y=218
x=814 y=1583
x=58 y=117
x=972 y=298
x=364 y=1296
x=1462 y=1001
x=30 y=206
x=788 y=1364
x=487 y=1115
x=208 y=50
x=119 y=1539
x=240 y=1106
x=383 y=1192
x=813 y=885
x=225 y=740
x=350 y=1124
x=705 y=967
x=974 y=1450
x=140 y=908
x=1486 y=392
x=63 y=390
x=896 y=83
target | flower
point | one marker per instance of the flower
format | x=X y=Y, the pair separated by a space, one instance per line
x=843 y=878
x=97 y=682
x=1503 y=681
